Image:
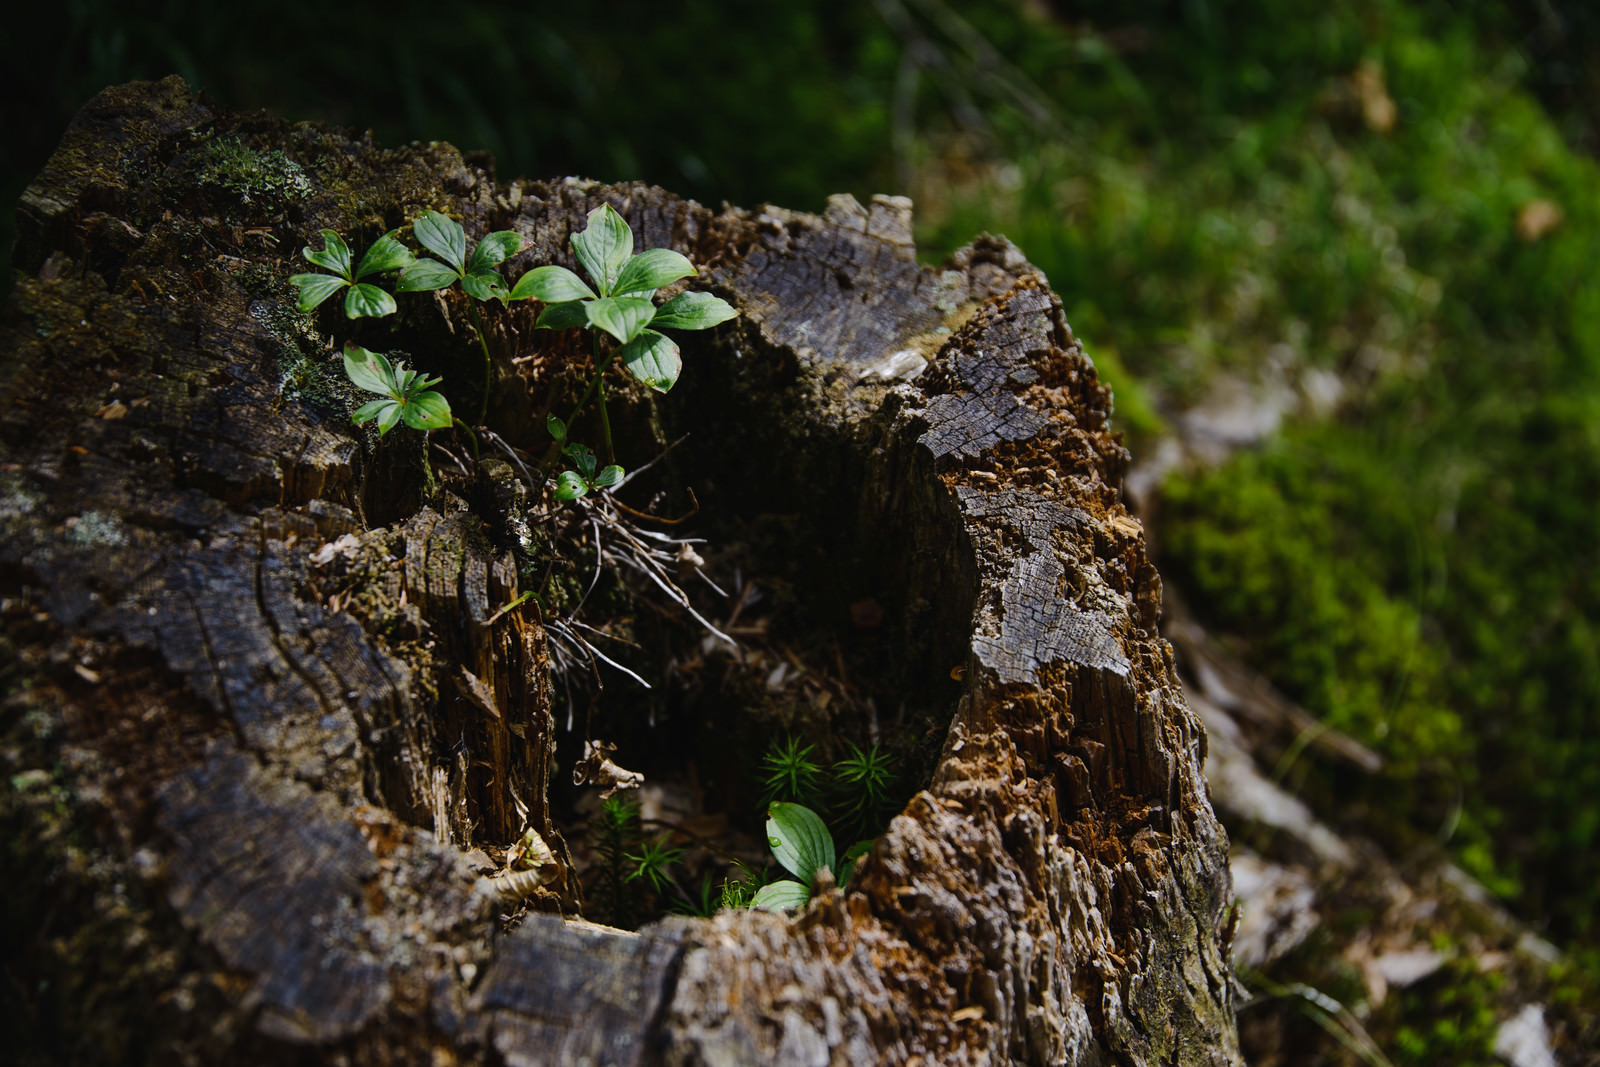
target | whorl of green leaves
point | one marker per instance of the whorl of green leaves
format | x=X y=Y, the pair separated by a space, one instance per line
x=622 y=303
x=789 y=773
x=576 y=483
x=403 y=394
x=445 y=238
x=364 y=299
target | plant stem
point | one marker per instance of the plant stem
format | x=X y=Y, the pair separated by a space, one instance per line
x=472 y=437
x=477 y=326
x=596 y=388
x=600 y=396
x=605 y=425
x=588 y=394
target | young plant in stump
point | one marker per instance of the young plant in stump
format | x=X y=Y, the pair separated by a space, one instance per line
x=620 y=310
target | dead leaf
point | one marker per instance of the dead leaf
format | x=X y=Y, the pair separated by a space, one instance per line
x=596 y=768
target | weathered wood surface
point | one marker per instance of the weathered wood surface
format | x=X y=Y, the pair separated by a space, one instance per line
x=241 y=779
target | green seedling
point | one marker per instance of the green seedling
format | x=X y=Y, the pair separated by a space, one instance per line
x=364 y=299
x=863 y=781
x=403 y=395
x=444 y=237
x=621 y=306
x=651 y=863
x=801 y=843
x=581 y=482
x=790 y=773
x=573 y=484
x=740 y=892
x=614 y=833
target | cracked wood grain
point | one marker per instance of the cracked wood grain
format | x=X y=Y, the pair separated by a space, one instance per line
x=280 y=780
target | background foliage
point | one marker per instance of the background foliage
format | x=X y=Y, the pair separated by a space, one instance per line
x=1396 y=195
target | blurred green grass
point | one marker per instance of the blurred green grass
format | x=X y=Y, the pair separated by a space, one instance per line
x=1391 y=192
x=1372 y=191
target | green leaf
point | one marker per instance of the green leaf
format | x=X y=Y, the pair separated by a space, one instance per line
x=367 y=301
x=583 y=456
x=485 y=285
x=651 y=269
x=335 y=255
x=570 y=486
x=781 y=896
x=494 y=249
x=847 y=862
x=608 y=477
x=654 y=359
x=552 y=285
x=315 y=288
x=692 y=311
x=371 y=410
x=424 y=276
x=370 y=371
x=427 y=411
x=386 y=253
x=604 y=247
x=389 y=416
x=620 y=316
x=444 y=237
x=557 y=428
x=566 y=316
x=799 y=839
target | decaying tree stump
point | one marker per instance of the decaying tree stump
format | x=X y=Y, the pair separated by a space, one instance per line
x=259 y=701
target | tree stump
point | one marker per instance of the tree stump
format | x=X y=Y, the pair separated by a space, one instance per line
x=260 y=701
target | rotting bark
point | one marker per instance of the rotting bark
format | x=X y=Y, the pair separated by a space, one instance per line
x=244 y=769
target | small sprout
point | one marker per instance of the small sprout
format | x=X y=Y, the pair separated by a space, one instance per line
x=801 y=843
x=573 y=484
x=651 y=863
x=790 y=772
x=740 y=892
x=364 y=299
x=444 y=237
x=864 y=780
x=620 y=306
x=403 y=394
